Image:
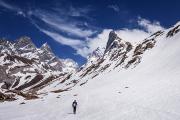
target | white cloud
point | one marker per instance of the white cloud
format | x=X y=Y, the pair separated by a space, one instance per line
x=72 y=11
x=21 y=13
x=12 y=8
x=78 y=12
x=84 y=51
x=8 y=6
x=132 y=35
x=69 y=28
x=79 y=45
x=99 y=41
x=82 y=48
x=114 y=7
x=92 y=43
x=149 y=26
x=74 y=43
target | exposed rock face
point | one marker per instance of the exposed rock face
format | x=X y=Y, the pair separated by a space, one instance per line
x=23 y=66
x=25 y=43
x=112 y=41
x=9 y=97
x=46 y=47
x=173 y=31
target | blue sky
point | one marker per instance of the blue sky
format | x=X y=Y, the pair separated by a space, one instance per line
x=73 y=28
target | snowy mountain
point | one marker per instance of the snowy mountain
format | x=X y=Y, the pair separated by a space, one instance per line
x=24 y=67
x=129 y=81
x=69 y=65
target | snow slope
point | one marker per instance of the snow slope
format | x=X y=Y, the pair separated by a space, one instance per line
x=150 y=91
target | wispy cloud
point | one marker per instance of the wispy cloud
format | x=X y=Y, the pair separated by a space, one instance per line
x=75 y=43
x=62 y=24
x=74 y=11
x=12 y=8
x=114 y=7
x=8 y=6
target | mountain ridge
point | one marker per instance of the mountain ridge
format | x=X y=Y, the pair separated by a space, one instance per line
x=119 y=54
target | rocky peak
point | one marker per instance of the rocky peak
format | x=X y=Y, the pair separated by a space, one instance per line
x=24 y=41
x=5 y=42
x=46 y=53
x=112 y=41
x=5 y=46
x=46 y=47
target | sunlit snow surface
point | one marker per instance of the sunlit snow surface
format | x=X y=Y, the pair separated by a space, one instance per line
x=150 y=91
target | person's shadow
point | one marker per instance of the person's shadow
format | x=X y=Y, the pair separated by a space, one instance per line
x=70 y=113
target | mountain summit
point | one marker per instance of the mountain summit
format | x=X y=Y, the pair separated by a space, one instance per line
x=112 y=41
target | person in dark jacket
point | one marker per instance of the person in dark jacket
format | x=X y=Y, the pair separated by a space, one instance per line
x=74 y=105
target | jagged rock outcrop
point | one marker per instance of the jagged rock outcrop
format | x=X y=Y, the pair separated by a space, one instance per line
x=113 y=41
x=173 y=31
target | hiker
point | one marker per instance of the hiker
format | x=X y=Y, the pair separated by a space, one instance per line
x=74 y=105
